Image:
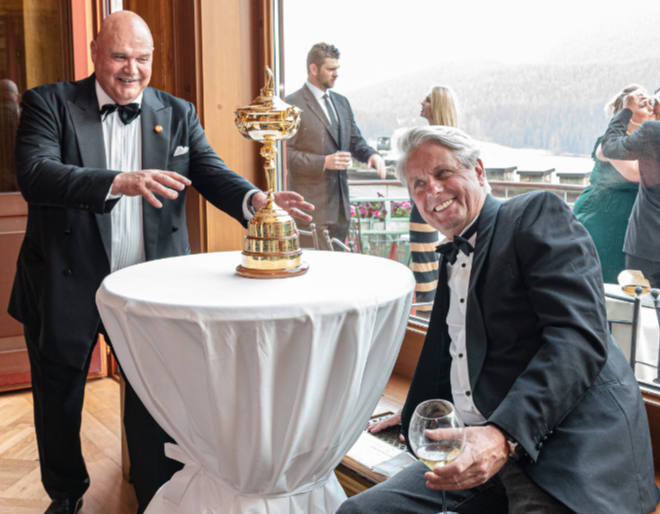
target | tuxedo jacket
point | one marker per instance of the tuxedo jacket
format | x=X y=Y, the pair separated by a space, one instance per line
x=306 y=151
x=61 y=170
x=643 y=231
x=542 y=365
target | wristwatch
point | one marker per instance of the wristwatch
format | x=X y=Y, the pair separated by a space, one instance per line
x=516 y=452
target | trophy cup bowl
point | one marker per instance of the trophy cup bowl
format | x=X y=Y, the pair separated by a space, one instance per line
x=271 y=248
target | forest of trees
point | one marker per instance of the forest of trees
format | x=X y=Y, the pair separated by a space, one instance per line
x=557 y=106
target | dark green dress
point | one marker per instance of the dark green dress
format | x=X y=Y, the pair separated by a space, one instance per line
x=604 y=208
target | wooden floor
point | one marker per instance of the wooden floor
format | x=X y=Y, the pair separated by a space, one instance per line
x=21 y=491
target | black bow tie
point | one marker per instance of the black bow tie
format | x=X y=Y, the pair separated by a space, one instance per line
x=459 y=244
x=127 y=113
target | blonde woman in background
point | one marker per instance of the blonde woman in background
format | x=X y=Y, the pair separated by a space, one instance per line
x=439 y=108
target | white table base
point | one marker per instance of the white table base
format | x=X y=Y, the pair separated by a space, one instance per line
x=264 y=384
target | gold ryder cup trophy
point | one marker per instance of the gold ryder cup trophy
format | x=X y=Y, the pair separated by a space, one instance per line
x=271 y=248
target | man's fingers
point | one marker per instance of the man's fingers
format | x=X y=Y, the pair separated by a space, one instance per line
x=174 y=179
x=306 y=206
x=297 y=213
x=168 y=178
x=291 y=200
x=446 y=434
x=155 y=187
x=151 y=198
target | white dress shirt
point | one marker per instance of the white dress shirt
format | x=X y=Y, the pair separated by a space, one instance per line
x=123 y=151
x=458 y=280
x=318 y=94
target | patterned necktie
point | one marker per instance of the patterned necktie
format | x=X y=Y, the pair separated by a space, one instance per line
x=331 y=111
x=127 y=113
x=459 y=244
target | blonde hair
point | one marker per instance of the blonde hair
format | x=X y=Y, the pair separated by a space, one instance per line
x=443 y=106
x=616 y=103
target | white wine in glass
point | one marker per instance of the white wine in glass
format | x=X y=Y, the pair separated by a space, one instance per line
x=433 y=451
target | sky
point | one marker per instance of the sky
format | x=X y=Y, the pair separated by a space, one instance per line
x=381 y=39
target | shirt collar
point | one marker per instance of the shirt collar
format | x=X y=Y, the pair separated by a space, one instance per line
x=318 y=94
x=474 y=220
x=103 y=97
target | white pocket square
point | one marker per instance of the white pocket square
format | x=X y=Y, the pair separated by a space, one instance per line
x=180 y=150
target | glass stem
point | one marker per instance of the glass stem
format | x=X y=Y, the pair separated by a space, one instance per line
x=444 y=502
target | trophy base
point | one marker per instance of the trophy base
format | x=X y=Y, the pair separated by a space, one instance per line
x=272 y=273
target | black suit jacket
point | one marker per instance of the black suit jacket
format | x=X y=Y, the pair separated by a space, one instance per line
x=643 y=231
x=542 y=364
x=306 y=151
x=61 y=169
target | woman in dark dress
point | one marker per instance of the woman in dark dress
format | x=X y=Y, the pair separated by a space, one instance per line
x=604 y=206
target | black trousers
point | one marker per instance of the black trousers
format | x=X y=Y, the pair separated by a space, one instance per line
x=510 y=491
x=58 y=393
x=150 y=468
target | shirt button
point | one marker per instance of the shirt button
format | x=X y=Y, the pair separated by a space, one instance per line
x=462 y=300
x=467 y=393
x=460 y=355
x=463 y=265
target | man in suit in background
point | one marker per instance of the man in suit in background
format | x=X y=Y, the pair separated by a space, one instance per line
x=642 y=242
x=518 y=340
x=103 y=164
x=320 y=153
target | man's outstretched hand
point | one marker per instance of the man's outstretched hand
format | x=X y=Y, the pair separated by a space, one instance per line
x=149 y=183
x=290 y=201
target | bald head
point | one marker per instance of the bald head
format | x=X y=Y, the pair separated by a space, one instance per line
x=123 y=22
x=122 y=54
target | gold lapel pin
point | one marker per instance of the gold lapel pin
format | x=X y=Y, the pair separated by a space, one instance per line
x=158 y=129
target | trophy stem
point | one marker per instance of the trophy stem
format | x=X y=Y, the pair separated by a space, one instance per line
x=268 y=152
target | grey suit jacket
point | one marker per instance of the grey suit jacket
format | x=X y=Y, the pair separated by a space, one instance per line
x=306 y=151
x=542 y=364
x=643 y=231
x=61 y=169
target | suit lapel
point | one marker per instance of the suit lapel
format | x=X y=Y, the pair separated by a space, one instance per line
x=343 y=118
x=155 y=155
x=474 y=322
x=314 y=107
x=86 y=121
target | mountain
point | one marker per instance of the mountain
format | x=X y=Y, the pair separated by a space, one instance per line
x=556 y=104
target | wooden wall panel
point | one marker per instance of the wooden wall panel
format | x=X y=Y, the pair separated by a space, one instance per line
x=231 y=48
x=83 y=31
x=210 y=52
x=159 y=17
x=48 y=42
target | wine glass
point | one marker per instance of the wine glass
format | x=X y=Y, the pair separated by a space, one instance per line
x=430 y=415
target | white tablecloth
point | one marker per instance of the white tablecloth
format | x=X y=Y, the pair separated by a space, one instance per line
x=648 y=334
x=263 y=384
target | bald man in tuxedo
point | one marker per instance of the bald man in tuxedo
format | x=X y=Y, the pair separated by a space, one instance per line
x=104 y=164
